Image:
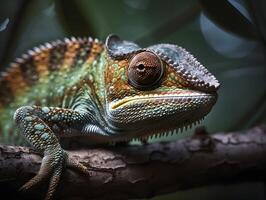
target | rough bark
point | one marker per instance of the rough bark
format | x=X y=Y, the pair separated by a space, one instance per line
x=145 y=171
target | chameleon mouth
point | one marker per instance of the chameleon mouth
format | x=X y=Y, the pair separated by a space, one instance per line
x=184 y=95
x=146 y=115
x=159 y=111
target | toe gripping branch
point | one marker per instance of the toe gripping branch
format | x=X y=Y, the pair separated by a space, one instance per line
x=38 y=124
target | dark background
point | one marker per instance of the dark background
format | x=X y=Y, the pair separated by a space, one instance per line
x=228 y=37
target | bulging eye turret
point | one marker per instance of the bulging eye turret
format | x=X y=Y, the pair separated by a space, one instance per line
x=145 y=71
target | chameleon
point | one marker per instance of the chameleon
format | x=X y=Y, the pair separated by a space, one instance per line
x=105 y=92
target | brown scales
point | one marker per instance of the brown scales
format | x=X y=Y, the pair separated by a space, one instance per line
x=37 y=64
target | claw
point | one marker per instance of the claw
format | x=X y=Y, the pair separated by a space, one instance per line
x=54 y=183
x=77 y=166
x=52 y=167
x=42 y=175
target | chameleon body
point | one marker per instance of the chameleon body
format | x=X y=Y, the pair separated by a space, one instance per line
x=108 y=92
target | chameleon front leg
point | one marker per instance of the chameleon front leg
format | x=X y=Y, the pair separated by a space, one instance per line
x=36 y=124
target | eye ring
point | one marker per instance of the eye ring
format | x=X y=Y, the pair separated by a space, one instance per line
x=145 y=71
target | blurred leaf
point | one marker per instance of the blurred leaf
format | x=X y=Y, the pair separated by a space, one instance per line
x=135 y=20
x=4 y=24
x=73 y=18
x=224 y=14
x=258 y=13
x=9 y=41
x=253 y=115
x=37 y=24
x=181 y=18
x=224 y=42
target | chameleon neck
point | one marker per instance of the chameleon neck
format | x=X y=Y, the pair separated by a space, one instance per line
x=53 y=90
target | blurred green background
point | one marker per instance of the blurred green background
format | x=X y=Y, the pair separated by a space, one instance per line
x=228 y=37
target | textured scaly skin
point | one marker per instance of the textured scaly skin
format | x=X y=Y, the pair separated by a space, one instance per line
x=80 y=87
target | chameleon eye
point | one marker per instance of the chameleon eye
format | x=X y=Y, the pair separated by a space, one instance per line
x=145 y=71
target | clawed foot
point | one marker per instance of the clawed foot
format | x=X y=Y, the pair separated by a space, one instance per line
x=53 y=163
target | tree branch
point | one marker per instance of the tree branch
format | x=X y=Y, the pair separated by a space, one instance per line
x=145 y=171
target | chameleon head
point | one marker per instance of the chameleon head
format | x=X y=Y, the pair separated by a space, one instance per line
x=155 y=89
